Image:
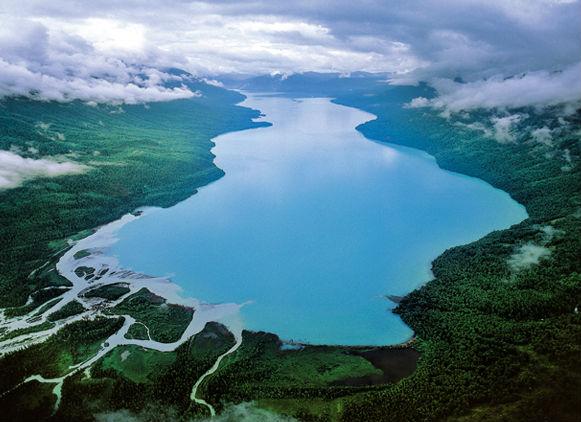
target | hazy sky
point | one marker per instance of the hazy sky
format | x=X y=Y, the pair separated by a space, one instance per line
x=90 y=50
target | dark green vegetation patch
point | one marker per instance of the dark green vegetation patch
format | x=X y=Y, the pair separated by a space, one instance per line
x=40 y=297
x=70 y=309
x=137 y=331
x=85 y=272
x=133 y=378
x=47 y=325
x=166 y=322
x=137 y=364
x=71 y=345
x=263 y=369
x=109 y=291
x=81 y=254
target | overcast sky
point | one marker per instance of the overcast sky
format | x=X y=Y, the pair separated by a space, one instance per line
x=65 y=49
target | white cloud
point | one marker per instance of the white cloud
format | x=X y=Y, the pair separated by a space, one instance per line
x=543 y=135
x=531 y=253
x=503 y=127
x=248 y=412
x=243 y=412
x=528 y=255
x=15 y=169
x=478 y=126
x=213 y=82
x=541 y=88
x=548 y=233
x=427 y=37
x=52 y=65
x=111 y=35
x=17 y=80
x=483 y=41
x=43 y=126
x=419 y=102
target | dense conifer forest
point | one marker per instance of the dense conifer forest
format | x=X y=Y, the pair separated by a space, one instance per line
x=498 y=333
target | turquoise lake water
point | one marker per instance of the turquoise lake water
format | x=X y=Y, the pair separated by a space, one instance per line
x=314 y=224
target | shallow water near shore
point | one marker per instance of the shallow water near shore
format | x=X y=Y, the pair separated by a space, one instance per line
x=314 y=225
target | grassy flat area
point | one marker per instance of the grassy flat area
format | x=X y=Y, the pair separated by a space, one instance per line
x=136 y=363
x=135 y=378
x=262 y=370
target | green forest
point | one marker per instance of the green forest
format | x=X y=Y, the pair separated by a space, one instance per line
x=136 y=155
x=494 y=339
x=497 y=343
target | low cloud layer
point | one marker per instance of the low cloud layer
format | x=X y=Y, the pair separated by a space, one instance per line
x=68 y=49
x=503 y=127
x=543 y=135
x=243 y=412
x=18 y=80
x=58 y=66
x=528 y=255
x=533 y=252
x=15 y=169
x=248 y=412
x=540 y=89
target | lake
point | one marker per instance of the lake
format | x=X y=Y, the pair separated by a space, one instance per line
x=313 y=224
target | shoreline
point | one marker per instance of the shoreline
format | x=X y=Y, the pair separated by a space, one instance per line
x=97 y=244
x=159 y=284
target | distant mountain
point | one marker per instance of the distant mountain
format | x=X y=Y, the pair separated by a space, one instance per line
x=308 y=83
x=197 y=84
